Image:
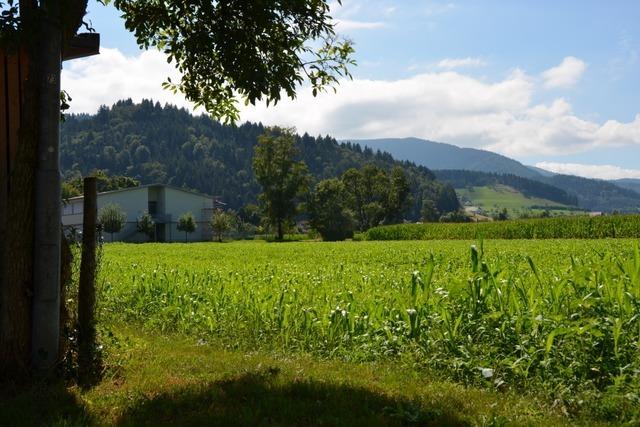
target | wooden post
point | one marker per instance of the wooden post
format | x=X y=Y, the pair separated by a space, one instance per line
x=86 y=287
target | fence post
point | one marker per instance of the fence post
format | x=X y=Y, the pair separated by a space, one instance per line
x=86 y=287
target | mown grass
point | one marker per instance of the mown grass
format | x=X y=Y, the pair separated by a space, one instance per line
x=558 y=320
x=501 y=196
x=157 y=380
x=494 y=198
x=577 y=227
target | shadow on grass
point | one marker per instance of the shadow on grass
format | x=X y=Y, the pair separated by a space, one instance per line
x=39 y=404
x=261 y=399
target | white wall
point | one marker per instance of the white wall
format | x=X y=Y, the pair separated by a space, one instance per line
x=178 y=202
x=135 y=201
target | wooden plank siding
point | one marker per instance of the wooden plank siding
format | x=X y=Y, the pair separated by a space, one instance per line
x=4 y=132
x=13 y=105
x=13 y=72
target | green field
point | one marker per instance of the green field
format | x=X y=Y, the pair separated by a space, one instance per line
x=495 y=198
x=563 y=227
x=558 y=320
x=365 y=333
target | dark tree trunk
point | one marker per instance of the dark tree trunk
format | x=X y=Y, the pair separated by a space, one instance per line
x=280 y=233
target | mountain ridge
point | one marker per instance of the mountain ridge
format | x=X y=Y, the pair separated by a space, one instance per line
x=440 y=155
x=592 y=194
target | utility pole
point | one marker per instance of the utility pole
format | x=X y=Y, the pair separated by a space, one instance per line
x=45 y=332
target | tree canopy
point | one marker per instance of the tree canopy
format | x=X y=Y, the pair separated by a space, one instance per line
x=255 y=50
x=328 y=210
x=283 y=179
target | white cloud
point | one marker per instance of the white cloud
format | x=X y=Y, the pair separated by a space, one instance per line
x=443 y=106
x=590 y=171
x=347 y=25
x=344 y=17
x=450 y=63
x=565 y=75
x=111 y=76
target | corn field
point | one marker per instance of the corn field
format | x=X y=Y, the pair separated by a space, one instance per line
x=576 y=227
x=559 y=318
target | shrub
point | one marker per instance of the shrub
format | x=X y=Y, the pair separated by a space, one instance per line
x=112 y=218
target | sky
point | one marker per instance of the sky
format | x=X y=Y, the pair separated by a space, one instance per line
x=554 y=84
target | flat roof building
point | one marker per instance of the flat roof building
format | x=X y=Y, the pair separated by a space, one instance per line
x=163 y=202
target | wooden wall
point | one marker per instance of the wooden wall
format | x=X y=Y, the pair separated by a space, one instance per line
x=13 y=71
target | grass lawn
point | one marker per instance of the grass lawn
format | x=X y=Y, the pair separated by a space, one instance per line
x=493 y=199
x=173 y=380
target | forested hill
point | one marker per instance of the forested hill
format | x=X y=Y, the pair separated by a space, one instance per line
x=597 y=195
x=157 y=144
x=437 y=155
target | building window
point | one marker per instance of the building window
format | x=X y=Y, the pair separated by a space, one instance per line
x=77 y=208
x=67 y=209
x=153 y=208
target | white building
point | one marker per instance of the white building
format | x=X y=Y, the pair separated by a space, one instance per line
x=164 y=203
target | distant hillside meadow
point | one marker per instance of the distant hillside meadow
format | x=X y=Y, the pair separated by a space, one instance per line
x=165 y=144
x=581 y=227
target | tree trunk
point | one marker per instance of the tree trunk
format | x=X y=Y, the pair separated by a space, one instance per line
x=280 y=233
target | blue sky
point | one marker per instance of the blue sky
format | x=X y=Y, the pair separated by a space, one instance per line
x=554 y=83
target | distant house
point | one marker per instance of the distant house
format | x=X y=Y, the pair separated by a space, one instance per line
x=164 y=203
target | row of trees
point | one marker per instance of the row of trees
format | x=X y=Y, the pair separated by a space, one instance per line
x=359 y=199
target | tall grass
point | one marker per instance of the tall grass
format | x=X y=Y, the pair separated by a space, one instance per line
x=561 y=318
x=579 y=227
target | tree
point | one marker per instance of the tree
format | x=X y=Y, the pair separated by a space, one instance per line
x=250 y=214
x=112 y=218
x=224 y=50
x=146 y=225
x=221 y=222
x=399 y=196
x=186 y=223
x=328 y=211
x=283 y=179
x=456 y=216
x=376 y=196
x=429 y=213
x=502 y=215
